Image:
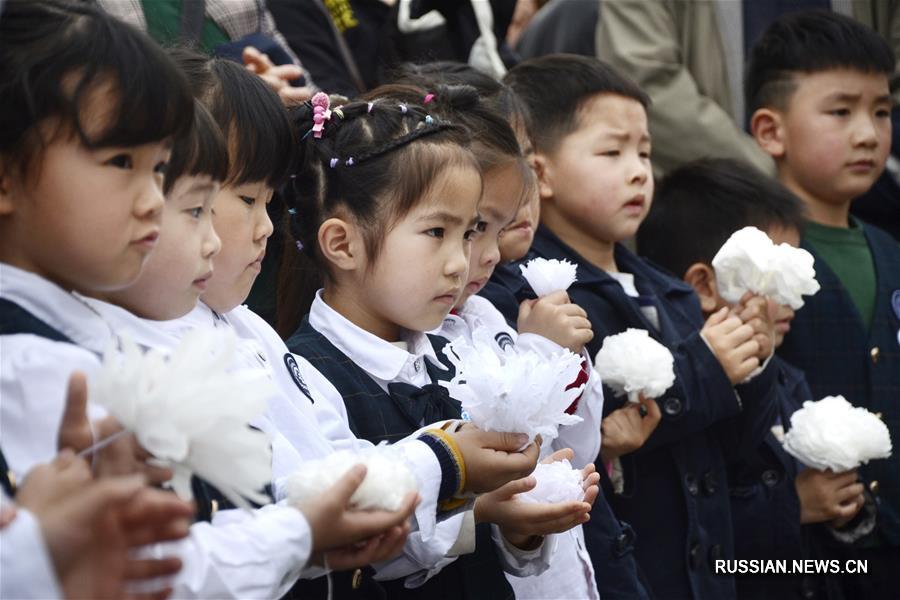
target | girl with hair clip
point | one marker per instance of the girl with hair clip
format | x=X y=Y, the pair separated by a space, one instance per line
x=384 y=206
x=545 y=326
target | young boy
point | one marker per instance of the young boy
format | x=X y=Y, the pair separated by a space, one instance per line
x=817 y=86
x=702 y=204
x=592 y=157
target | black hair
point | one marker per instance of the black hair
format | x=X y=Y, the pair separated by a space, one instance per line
x=810 y=42
x=697 y=207
x=373 y=162
x=202 y=151
x=255 y=122
x=555 y=87
x=55 y=55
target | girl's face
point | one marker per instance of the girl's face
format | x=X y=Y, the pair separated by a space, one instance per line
x=84 y=219
x=180 y=267
x=421 y=268
x=243 y=225
x=503 y=188
x=516 y=238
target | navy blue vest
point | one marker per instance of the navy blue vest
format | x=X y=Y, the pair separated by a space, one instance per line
x=16 y=320
x=375 y=415
x=828 y=341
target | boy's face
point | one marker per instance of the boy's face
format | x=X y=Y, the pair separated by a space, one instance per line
x=835 y=134
x=499 y=202
x=242 y=223
x=516 y=238
x=599 y=178
x=179 y=268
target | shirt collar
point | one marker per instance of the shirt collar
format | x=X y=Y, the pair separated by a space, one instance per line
x=64 y=311
x=159 y=335
x=372 y=354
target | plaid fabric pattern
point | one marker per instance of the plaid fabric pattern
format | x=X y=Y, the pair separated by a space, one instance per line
x=237 y=18
x=829 y=342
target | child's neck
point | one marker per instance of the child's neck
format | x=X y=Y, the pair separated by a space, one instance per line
x=352 y=308
x=600 y=253
x=818 y=210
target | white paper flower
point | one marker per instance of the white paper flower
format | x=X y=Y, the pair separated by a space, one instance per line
x=513 y=390
x=749 y=261
x=834 y=434
x=633 y=363
x=388 y=480
x=192 y=412
x=556 y=482
x=546 y=276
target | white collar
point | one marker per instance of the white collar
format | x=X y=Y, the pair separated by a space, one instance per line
x=378 y=357
x=160 y=335
x=64 y=311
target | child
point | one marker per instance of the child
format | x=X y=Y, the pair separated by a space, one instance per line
x=592 y=157
x=703 y=203
x=817 y=86
x=364 y=213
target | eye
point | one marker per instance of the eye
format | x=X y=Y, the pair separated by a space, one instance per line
x=469 y=234
x=248 y=200
x=883 y=113
x=121 y=161
x=196 y=212
x=436 y=232
x=611 y=153
x=161 y=168
x=481 y=226
x=645 y=154
x=840 y=112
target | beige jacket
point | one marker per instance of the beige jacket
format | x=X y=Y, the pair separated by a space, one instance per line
x=676 y=51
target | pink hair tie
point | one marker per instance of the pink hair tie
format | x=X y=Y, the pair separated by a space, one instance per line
x=321 y=113
x=428 y=98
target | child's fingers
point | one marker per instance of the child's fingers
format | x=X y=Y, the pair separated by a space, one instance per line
x=592 y=492
x=75 y=428
x=148 y=568
x=845 y=494
x=739 y=334
x=558 y=297
x=562 y=454
x=717 y=318
x=516 y=486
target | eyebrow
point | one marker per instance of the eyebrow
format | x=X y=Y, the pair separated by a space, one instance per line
x=443 y=217
x=201 y=187
x=624 y=135
x=848 y=97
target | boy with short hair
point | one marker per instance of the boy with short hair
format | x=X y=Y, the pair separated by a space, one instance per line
x=592 y=157
x=696 y=208
x=817 y=86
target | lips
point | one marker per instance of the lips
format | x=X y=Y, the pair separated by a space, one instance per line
x=636 y=203
x=862 y=165
x=258 y=262
x=473 y=287
x=201 y=281
x=448 y=298
x=149 y=240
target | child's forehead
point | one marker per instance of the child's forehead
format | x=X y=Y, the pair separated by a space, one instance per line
x=612 y=114
x=840 y=84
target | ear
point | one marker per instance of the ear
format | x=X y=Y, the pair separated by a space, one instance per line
x=7 y=205
x=543 y=171
x=702 y=278
x=768 y=130
x=341 y=244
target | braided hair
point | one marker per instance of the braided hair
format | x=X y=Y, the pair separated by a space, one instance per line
x=371 y=163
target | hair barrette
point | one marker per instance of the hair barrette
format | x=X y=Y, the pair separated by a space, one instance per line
x=299 y=245
x=321 y=113
x=369 y=107
x=339 y=111
x=428 y=98
x=333 y=162
x=403 y=108
x=349 y=162
x=292 y=211
x=429 y=120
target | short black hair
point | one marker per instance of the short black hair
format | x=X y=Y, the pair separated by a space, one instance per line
x=810 y=42
x=255 y=122
x=698 y=206
x=54 y=55
x=203 y=151
x=555 y=87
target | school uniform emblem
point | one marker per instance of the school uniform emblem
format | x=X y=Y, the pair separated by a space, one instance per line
x=294 y=369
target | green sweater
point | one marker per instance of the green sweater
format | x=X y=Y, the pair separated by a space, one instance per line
x=846 y=251
x=164 y=25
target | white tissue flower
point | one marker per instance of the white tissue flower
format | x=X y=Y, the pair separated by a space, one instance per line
x=834 y=434
x=512 y=390
x=633 y=363
x=388 y=480
x=556 y=482
x=191 y=412
x=546 y=276
x=749 y=261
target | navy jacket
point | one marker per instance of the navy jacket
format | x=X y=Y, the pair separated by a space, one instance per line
x=829 y=342
x=675 y=492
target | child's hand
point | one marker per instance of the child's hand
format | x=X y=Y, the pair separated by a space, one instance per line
x=524 y=523
x=335 y=526
x=376 y=549
x=759 y=313
x=49 y=484
x=556 y=318
x=627 y=429
x=277 y=77
x=732 y=343
x=827 y=496
x=492 y=458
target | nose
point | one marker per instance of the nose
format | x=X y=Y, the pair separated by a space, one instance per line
x=638 y=170
x=211 y=242
x=865 y=132
x=457 y=265
x=491 y=254
x=150 y=201
x=264 y=227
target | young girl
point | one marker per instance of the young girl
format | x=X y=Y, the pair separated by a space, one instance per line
x=386 y=184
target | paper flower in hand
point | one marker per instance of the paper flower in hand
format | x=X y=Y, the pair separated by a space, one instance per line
x=834 y=434
x=192 y=411
x=388 y=480
x=749 y=261
x=512 y=390
x=546 y=276
x=633 y=363
x=556 y=482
